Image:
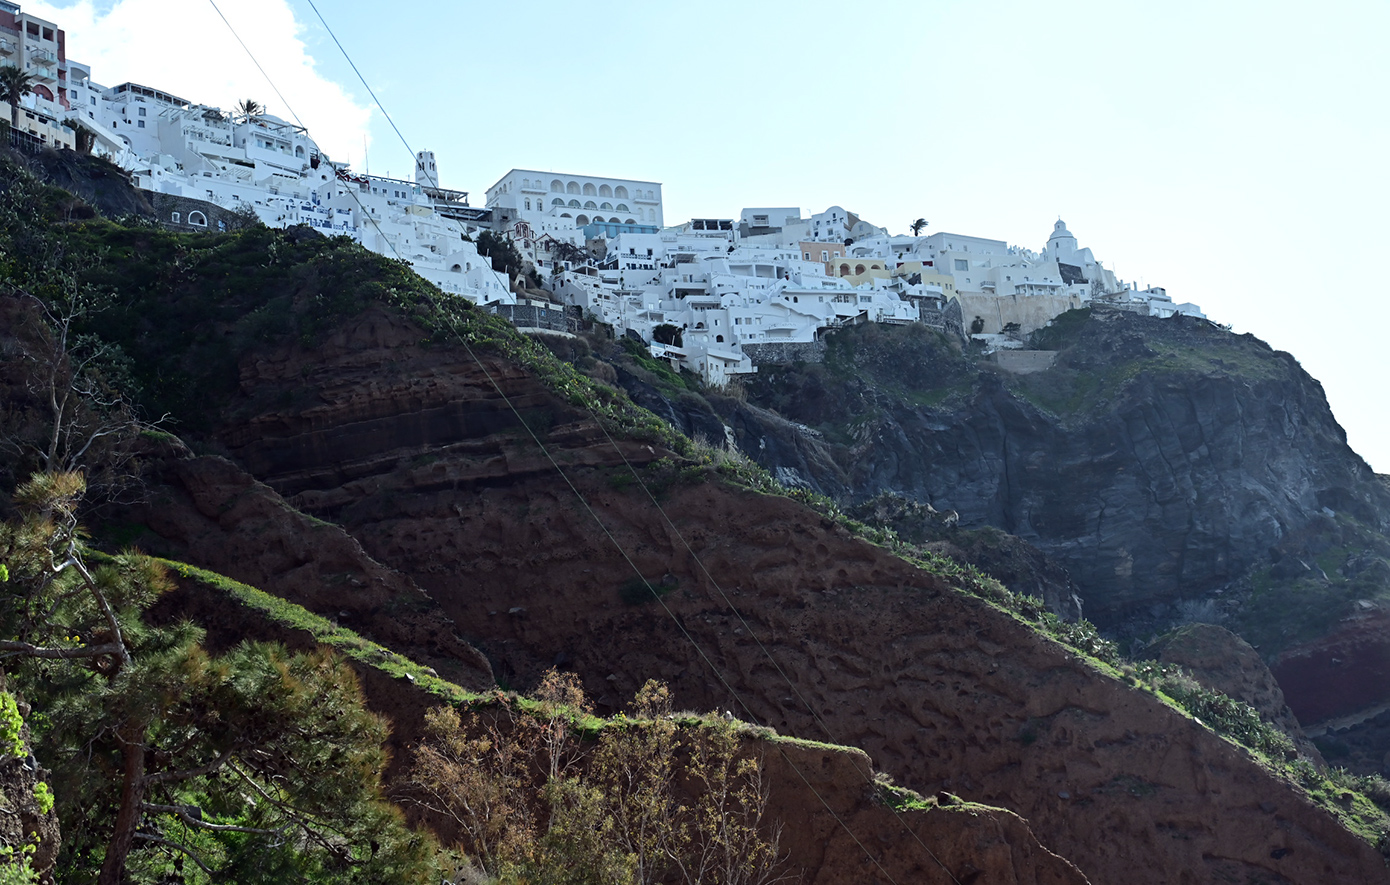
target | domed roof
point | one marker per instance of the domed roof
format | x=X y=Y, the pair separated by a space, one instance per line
x=1059 y=230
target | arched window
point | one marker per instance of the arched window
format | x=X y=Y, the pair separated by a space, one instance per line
x=844 y=270
x=605 y=205
x=614 y=221
x=557 y=202
x=574 y=204
x=620 y=193
x=528 y=205
x=629 y=221
x=590 y=190
x=456 y=269
x=572 y=187
x=719 y=338
x=525 y=182
x=622 y=207
x=566 y=215
x=557 y=186
x=605 y=191
x=299 y=151
x=589 y=204
x=198 y=218
x=582 y=220
x=858 y=269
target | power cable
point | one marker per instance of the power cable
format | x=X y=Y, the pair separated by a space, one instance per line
x=589 y=509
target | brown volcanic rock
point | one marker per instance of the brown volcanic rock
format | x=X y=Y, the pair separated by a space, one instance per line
x=1221 y=660
x=212 y=514
x=327 y=422
x=413 y=451
x=942 y=690
x=1339 y=674
x=820 y=797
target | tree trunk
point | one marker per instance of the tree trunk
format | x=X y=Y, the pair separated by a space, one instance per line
x=132 y=737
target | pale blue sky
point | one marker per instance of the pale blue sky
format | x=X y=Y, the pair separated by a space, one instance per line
x=1233 y=152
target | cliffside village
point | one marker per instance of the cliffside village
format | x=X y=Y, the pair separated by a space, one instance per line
x=716 y=296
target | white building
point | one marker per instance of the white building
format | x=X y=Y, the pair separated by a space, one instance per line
x=575 y=208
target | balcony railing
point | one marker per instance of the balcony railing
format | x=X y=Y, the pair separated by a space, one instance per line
x=7 y=48
x=43 y=57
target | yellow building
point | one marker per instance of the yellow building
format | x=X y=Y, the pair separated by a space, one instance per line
x=857 y=271
x=929 y=276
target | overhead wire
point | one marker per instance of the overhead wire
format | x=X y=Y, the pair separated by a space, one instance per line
x=733 y=693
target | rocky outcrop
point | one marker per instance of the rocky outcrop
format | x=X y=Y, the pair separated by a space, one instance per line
x=1341 y=674
x=28 y=824
x=1157 y=460
x=835 y=828
x=1222 y=661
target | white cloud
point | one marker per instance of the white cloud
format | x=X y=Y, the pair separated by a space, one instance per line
x=184 y=47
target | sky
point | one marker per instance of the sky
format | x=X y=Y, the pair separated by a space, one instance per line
x=1232 y=152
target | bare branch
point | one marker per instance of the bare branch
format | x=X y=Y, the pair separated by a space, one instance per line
x=112 y=623
x=150 y=837
x=182 y=813
x=166 y=776
x=12 y=648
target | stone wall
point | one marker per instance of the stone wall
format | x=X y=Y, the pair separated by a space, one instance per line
x=785 y=353
x=946 y=320
x=532 y=316
x=217 y=218
x=1029 y=311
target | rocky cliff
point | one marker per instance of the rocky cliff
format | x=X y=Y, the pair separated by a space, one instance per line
x=1158 y=460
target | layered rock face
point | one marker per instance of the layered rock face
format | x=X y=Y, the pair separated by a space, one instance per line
x=1158 y=460
x=942 y=690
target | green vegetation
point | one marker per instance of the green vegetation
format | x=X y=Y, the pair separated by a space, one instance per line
x=256 y=765
x=325 y=632
x=11 y=727
x=867 y=369
x=1088 y=375
x=1334 y=568
x=1062 y=331
x=638 y=591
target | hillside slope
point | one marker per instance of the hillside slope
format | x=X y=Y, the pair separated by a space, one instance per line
x=944 y=691
x=340 y=389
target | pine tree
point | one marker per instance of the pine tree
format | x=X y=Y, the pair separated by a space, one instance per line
x=257 y=765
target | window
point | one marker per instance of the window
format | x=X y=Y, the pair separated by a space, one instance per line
x=174 y=218
x=140 y=111
x=962 y=264
x=198 y=218
x=140 y=123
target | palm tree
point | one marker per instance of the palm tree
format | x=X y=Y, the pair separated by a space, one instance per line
x=918 y=225
x=14 y=85
x=249 y=108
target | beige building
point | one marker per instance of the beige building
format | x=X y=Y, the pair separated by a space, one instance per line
x=41 y=126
